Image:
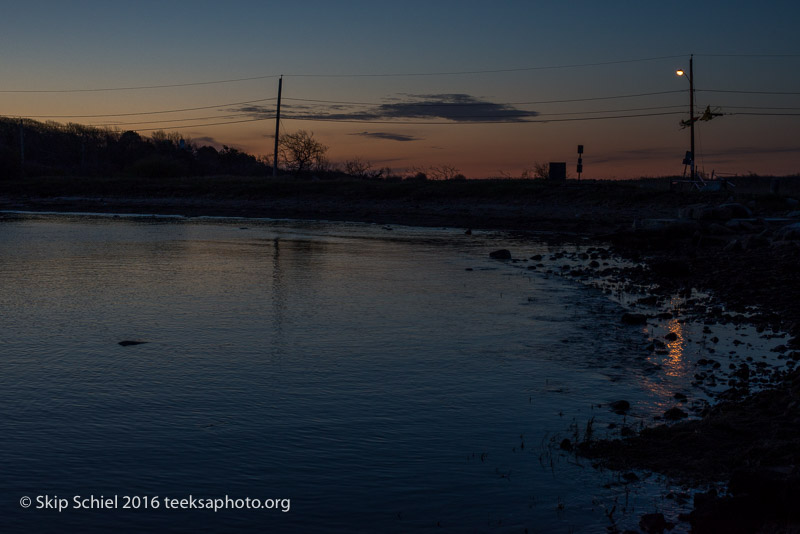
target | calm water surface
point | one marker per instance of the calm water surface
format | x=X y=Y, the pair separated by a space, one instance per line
x=363 y=373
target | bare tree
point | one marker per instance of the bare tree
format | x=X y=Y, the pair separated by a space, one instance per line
x=363 y=169
x=540 y=170
x=301 y=152
x=444 y=172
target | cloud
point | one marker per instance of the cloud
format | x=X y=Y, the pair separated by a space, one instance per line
x=456 y=107
x=388 y=136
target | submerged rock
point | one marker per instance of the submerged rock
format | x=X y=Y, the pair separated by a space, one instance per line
x=501 y=254
x=654 y=523
x=671 y=268
x=675 y=414
x=620 y=406
x=128 y=342
x=634 y=318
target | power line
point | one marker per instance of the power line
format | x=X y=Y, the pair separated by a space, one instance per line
x=231 y=116
x=136 y=88
x=747 y=55
x=351 y=75
x=765 y=114
x=147 y=112
x=757 y=107
x=208 y=124
x=454 y=122
x=487 y=71
x=636 y=95
x=747 y=92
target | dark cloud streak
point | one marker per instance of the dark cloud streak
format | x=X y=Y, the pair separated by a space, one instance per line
x=456 y=107
x=388 y=136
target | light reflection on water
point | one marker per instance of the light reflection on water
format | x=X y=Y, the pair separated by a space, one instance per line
x=364 y=373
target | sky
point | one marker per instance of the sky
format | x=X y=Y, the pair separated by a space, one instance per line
x=490 y=88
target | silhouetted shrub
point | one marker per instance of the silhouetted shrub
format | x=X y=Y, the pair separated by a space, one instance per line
x=157 y=166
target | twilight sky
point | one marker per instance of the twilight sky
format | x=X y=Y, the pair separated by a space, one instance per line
x=420 y=83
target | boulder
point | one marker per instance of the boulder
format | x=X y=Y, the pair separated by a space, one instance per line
x=790 y=232
x=675 y=414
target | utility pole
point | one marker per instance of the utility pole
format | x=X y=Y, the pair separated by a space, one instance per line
x=278 y=129
x=21 y=149
x=691 y=109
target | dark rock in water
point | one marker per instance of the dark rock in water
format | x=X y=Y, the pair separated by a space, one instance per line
x=672 y=336
x=634 y=318
x=620 y=406
x=631 y=477
x=501 y=254
x=674 y=414
x=652 y=300
x=654 y=523
x=732 y=210
x=566 y=445
x=128 y=342
x=536 y=257
x=680 y=397
x=671 y=268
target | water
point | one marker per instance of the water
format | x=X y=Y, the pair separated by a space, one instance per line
x=363 y=379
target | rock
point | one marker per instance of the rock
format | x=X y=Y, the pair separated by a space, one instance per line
x=634 y=318
x=501 y=254
x=631 y=477
x=566 y=445
x=790 y=232
x=675 y=414
x=127 y=343
x=718 y=229
x=733 y=210
x=671 y=268
x=692 y=211
x=654 y=523
x=620 y=406
x=755 y=241
x=672 y=336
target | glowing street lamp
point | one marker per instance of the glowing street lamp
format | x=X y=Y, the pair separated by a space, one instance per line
x=681 y=72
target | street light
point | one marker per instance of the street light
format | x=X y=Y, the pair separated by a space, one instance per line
x=681 y=72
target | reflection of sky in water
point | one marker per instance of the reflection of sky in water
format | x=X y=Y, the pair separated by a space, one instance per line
x=356 y=369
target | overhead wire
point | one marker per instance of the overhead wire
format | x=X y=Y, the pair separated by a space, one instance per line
x=149 y=112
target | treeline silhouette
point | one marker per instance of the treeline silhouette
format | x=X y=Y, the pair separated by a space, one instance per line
x=33 y=148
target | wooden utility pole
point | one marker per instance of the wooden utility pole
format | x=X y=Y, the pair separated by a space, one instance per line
x=691 y=109
x=277 y=129
x=21 y=149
